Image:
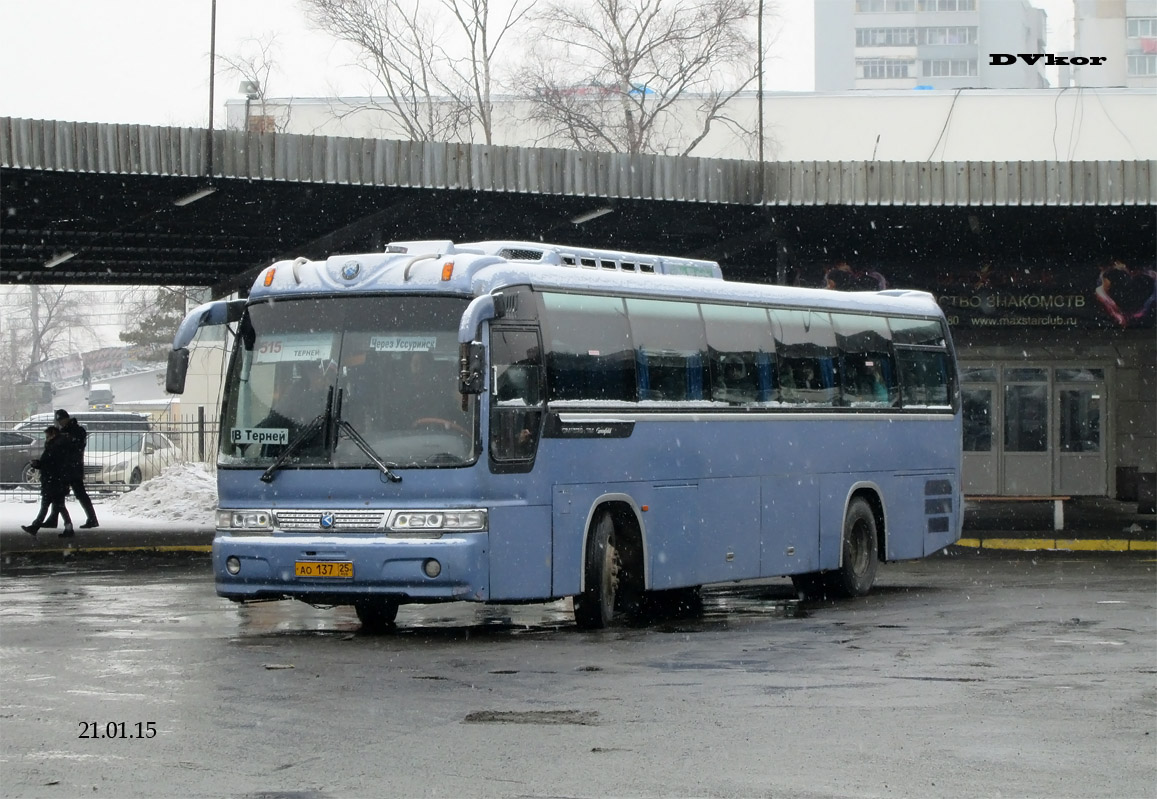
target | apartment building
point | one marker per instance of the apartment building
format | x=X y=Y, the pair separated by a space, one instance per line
x=936 y=44
x=1125 y=32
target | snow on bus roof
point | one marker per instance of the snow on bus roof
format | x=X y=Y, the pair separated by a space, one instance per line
x=487 y=266
x=495 y=277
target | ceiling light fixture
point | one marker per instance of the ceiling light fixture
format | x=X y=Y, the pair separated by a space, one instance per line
x=200 y=194
x=589 y=215
x=58 y=260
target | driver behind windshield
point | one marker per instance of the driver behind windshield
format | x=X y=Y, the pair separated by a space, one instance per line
x=296 y=402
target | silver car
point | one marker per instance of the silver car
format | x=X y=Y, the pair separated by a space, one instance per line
x=126 y=458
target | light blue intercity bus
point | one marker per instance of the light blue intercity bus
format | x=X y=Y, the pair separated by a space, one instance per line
x=518 y=422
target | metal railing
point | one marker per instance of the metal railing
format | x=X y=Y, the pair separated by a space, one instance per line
x=118 y=457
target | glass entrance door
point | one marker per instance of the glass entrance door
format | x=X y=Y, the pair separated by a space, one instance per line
x=1080 y=466
x=980 y=407
x=1034 y=431
x=1027 y=462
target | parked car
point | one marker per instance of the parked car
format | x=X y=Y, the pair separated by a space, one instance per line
x=126 y=458
x=16 y=453
x=92 y=421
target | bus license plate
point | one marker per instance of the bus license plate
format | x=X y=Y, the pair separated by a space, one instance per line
x=317 y=568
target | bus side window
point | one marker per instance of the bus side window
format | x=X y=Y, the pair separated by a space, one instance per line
x=670 y=376
x=924 y=380
x=590 y=356
x=736 y=379
x=516 y=403
x=742 y=353
x=867 y=373
x=670 y=347
x=805 y=344
x=922 y=362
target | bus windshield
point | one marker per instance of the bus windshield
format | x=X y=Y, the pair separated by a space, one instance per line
x=392 y=366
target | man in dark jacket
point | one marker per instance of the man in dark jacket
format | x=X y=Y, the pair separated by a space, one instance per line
x=53 y=468
x=75 y=437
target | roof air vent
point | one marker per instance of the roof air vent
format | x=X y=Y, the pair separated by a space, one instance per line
x=515 y=254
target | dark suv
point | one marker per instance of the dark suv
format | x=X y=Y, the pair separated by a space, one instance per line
x=90 y=421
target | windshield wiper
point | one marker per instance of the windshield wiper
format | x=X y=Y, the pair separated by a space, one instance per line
x=323 y=419
x=353 y=435
x=331 y=423
x=307 y=432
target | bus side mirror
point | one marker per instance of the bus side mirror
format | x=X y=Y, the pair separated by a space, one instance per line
x=177 y=369
x=471 y=367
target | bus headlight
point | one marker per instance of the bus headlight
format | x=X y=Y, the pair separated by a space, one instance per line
x=436 y=521
x=245 y=521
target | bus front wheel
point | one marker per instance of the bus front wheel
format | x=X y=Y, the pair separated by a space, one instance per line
x=376 y=614
x=595 y=606
x=857 y=570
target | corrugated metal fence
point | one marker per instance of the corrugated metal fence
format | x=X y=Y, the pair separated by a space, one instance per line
x=143 y=149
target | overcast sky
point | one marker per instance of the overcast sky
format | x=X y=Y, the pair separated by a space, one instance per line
x=147 y=61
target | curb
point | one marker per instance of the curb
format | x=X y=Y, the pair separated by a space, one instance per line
x=74 y=551
x=1060 y=544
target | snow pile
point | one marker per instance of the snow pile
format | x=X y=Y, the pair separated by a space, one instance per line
x=184 y=492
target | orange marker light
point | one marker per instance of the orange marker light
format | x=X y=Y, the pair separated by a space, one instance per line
x=447 y=270
x=269 y=276
x=646 y=508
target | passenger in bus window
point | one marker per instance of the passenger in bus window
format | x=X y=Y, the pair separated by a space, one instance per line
x=733 y=381
x=872 y=388
x=805 y=377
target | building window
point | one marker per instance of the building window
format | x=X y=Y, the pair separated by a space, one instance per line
x=1140 y=27
x=1143 y=65
x=884 y=6
x=958 y=34
x=947 y=5
x=262 y=123
x=949 y=67
x=870 y=68
x=885 y=37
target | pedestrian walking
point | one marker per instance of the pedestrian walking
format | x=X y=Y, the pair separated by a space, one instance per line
x=54 y=482
x=75 y=438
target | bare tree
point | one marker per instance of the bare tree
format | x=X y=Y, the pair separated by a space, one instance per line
x=409 y=51
x=477 y=71
x=618 y=75
x=254 y=65
x=39 y=325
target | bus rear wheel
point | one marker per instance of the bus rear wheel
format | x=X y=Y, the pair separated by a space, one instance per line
x=376 y=614
x=857 y=570
x=595 y=606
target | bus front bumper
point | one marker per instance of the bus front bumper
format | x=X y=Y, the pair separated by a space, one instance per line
x=343 y=569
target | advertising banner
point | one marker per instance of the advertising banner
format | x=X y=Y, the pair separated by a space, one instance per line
x=1116 y=295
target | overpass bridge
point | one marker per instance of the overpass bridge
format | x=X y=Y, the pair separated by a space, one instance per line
x=1015 y=251
x=88 y=203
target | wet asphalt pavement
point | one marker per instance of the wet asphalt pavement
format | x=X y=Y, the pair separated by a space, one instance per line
x=962 y=675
